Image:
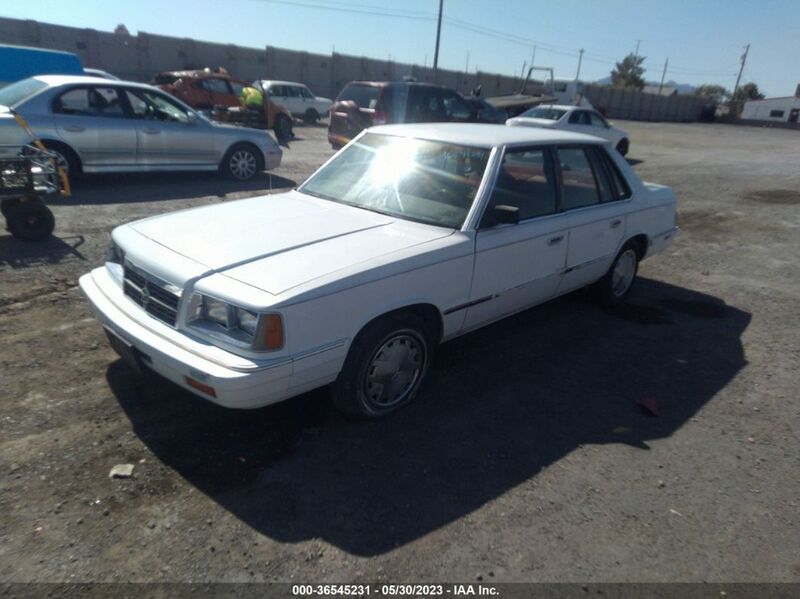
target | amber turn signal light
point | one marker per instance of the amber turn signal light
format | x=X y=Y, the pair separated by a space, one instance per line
x=203 y=388
x=273 y=331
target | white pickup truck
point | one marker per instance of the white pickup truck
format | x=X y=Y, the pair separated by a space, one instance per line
x=409 y=236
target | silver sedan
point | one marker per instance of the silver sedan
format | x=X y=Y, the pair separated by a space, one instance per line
x=96 y=125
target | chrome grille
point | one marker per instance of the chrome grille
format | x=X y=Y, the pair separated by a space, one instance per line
x=151 y=294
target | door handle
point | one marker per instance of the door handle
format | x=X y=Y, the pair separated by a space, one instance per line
x=615 y=223
x=555 y=240
x=74 y=128
x=151 y=131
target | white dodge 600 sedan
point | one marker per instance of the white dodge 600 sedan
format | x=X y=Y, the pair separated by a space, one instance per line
x=409 y=236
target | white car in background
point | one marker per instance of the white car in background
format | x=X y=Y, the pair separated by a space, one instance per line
x=409 y=236
x=297 y=99
x=573 y=118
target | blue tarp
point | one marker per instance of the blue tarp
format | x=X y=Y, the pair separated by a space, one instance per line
x=18 y=62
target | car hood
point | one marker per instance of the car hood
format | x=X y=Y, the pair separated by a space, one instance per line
x=277 y=242
x=530 y=122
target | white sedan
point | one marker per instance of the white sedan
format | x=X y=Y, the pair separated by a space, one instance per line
x=409 y=236
x=297 y=99
x=573 y=118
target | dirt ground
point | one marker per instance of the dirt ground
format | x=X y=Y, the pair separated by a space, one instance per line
x=525 y=458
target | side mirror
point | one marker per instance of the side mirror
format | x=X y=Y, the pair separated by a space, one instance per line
x=506 y=215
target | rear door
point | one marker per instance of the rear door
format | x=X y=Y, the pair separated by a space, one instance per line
x=455 y=107
x=597 y=213
x=517 y=266
x=96 y=121
x=166 y=134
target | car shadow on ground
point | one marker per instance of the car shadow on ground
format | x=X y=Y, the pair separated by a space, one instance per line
x=502 y=404
x=634 y=161
x=53 y=250
x=157 y=187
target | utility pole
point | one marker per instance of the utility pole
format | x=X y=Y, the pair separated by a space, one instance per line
x=743 y=60
x=533 y=56
x=663 y=74
x=438 y=35
x=636 y=53
x=466 y=68
x=580 y=60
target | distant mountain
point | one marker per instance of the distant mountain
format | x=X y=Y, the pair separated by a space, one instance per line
x=683 y=88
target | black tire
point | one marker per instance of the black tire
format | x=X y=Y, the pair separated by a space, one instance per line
x=70 y=161
x=30 y=221
x=311 y=116
x=610 y=290
x=242 y=162
x=283 y=128
x=356 y=392
x=623 y=146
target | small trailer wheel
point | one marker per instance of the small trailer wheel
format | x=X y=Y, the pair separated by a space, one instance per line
x=30 y=221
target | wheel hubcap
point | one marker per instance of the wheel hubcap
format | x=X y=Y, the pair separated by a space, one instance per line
x=243 y=164
x=624 y=271
x=394 y=370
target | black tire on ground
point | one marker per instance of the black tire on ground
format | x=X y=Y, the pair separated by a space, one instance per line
x=311 y=116
x=401 y=339
x=622 y=146
x=617 y=283
x=242 y=162
x=30 y=221
x=283 y=127
x=69 y=159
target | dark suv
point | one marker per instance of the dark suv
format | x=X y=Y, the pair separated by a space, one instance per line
x=362 y=104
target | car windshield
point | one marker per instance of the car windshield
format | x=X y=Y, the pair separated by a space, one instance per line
x=13 y=94
x=365 y=96
x=543 y=112
x=412 y=179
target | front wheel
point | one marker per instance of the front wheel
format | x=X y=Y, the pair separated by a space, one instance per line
x=30 y=221
x=614 y=287
x=242 y=162
x=385 y=367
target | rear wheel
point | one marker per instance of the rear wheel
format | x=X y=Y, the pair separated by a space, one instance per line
x=385 y=367
x=30 y=220
x=622 y=146
x=614 y=287
x=242 y=162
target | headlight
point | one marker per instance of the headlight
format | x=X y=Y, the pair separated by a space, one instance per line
x=232 y=324
x=114 y=253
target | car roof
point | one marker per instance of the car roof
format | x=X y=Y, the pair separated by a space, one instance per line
x=56 y=80
x=277 y=82
x=484 y=135
x=567 y=107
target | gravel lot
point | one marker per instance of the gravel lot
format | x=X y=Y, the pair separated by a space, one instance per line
x=525 y=459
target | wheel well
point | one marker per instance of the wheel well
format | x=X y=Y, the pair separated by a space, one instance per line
x=428 y=313
x=249 y=144
x=60 y=145
x=640 y=244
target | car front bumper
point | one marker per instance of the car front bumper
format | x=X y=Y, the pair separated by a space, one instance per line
x=236 y=382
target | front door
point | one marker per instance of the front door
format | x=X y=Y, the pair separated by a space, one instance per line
x=168 y=135
x=97 y=123
x=517 y=266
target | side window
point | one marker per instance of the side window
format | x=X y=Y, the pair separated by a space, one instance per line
x=277 y=91
x=525 y=181
x=89 y=101
x=293 y=91
x=304 y=91
x=217 y=86
x=138 y=105
x=74 y=101
x=455 y=107
x=620 y=190
x=578 y=186
x=425 y=105
x=157 y=107
x=575 y=117
x=597 y=120
x=238 y=87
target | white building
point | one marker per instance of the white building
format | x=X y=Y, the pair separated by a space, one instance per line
x=785 y=110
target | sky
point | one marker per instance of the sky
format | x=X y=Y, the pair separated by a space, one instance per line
x=703 y=39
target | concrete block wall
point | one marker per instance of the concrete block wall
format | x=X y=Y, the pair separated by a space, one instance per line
x=639 y=106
